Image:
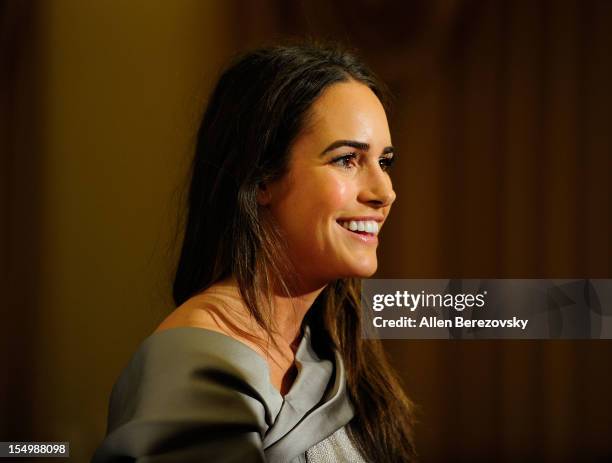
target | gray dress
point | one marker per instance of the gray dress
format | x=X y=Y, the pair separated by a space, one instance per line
x=195 y=395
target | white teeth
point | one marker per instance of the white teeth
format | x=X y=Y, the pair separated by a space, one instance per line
x=368 y=226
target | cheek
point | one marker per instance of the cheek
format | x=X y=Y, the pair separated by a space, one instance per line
x=317 y=197
x=307 y=206
x=332 y=195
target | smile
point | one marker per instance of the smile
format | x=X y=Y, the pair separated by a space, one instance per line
x=363 y=230
x=361 y=226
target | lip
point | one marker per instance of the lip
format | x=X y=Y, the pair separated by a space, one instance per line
x=376 y=218
x=365 y=238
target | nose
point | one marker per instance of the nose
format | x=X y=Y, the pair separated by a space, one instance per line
x=377 y=188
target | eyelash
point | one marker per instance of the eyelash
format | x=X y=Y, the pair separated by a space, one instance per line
x=385 y=162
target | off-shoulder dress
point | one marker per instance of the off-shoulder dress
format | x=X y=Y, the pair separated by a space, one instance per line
x=191 y=394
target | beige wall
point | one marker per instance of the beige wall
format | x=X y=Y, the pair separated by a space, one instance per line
x=106 y=99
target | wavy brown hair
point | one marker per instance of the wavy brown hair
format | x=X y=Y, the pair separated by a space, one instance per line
x=257 y=109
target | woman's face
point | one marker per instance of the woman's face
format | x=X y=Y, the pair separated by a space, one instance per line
x=337 y=192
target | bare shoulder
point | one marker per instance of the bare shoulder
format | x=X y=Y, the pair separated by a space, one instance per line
x=219 y=309
x=188 y=314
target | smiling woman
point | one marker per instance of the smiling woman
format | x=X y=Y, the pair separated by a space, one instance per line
x=347 y=186
x=263 y=358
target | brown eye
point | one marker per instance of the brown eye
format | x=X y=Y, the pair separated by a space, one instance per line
x=386 y=163
x=345 y=161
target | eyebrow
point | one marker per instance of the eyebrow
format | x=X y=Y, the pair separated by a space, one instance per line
x=354 y=144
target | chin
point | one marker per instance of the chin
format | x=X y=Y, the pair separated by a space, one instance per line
x=362 y=270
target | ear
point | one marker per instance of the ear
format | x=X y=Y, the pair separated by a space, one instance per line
x=264 y=195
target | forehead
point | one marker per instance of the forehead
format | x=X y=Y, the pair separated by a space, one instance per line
x=348 y=110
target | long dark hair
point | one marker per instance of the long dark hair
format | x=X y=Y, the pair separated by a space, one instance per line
x=257 y=109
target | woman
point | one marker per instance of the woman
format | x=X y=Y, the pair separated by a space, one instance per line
x=263 y=359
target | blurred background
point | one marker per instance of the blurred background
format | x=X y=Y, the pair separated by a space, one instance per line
x=502 y=120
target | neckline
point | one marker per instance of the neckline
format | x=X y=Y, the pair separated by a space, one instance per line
x=302 y=355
